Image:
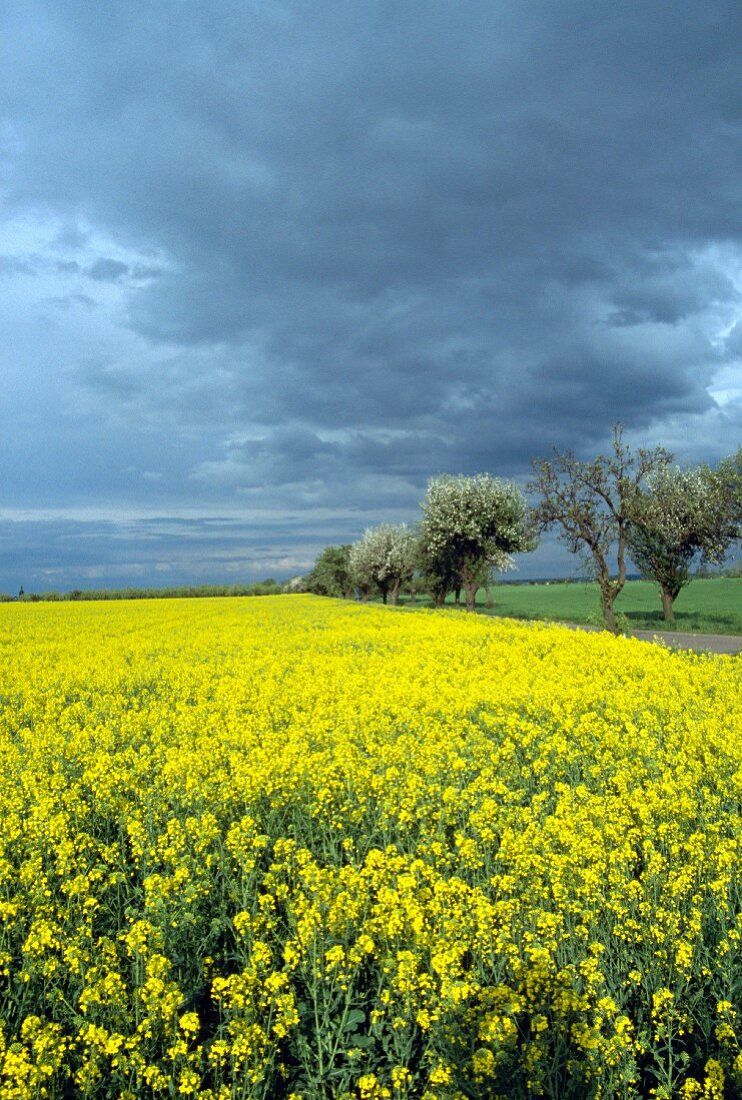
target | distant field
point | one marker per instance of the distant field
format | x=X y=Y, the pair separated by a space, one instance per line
x=709 y=606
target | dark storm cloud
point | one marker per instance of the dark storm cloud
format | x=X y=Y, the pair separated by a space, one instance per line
x=340 y=248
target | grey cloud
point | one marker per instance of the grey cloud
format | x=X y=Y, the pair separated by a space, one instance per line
x=109 y=380
x=16 y=265
x=66 y=301
x=385 y=240
x=64 y=554
x=666 y=289
x=203 y=307
x=294 y=454
x=107 y=270
x=146 y=271
x=733 y=341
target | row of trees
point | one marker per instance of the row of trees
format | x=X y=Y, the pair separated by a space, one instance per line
x=471 y=526
x=620 y=505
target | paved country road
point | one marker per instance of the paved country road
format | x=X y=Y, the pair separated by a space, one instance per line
x=701 y=643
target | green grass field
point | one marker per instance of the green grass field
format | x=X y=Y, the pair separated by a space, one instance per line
x=708 y=606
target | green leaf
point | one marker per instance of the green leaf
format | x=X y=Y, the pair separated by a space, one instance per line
x=353 y=1019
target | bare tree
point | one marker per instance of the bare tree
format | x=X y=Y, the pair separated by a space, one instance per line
x=592 y=505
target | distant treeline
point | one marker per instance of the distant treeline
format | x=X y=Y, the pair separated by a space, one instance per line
x=269 y=587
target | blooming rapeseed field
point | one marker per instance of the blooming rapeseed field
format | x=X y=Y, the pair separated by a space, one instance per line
x=290 y=847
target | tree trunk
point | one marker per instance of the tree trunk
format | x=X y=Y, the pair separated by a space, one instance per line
x=471 y=592
x=667 y=602
x=620 y=580
x=440 y=598
x=394 y=592
x=608 y=598
x=610 y=618
x=610 y=586
x=457 y=597
x=490 y=601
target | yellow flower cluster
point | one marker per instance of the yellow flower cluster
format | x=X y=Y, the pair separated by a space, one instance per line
x=292 y=847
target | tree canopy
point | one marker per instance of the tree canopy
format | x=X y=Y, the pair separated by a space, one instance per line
x=471 y=525
x=383 y=559
x=681 y=515
x=330 y=575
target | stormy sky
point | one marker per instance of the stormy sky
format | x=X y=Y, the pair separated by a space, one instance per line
x=267 y=267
